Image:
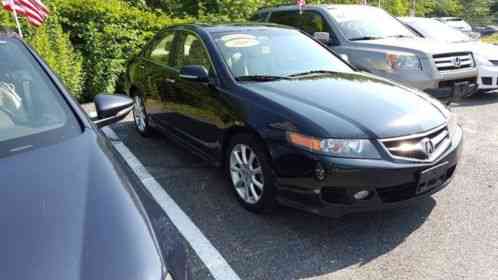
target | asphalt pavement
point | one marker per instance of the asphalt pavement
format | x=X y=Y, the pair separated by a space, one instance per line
x=453 y=235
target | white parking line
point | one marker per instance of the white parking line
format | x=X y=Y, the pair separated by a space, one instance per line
x=213 y=260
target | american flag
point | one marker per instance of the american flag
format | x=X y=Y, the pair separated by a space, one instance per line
x=34 y=10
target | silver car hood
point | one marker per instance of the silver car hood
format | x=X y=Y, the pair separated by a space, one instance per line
x=426 y=46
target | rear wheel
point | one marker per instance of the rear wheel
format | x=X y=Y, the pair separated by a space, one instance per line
x=251 y=176
x=140 y=116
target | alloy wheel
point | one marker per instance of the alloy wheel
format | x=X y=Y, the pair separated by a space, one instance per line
x=139 y=114
x=246 y=173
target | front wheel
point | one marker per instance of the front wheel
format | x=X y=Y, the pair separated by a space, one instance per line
x=140 y=116
x=250 y=173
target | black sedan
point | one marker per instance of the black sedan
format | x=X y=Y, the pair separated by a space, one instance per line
x=68 y=208
x=290 y=121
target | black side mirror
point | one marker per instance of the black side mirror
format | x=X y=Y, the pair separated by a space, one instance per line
x=112 y=108
x=195 y=73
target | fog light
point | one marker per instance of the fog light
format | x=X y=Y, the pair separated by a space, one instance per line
x=320 y=173
x=361 y=195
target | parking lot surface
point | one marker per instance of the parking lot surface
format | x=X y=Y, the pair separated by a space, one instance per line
x=451 y=236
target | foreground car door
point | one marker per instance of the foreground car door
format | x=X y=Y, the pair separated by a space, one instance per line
x=200 y=114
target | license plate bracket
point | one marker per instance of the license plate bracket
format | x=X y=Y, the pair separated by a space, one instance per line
x=432 y=177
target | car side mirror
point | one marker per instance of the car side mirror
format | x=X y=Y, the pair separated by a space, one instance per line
x=196 y=73
x=323 y=37
x=111 y=108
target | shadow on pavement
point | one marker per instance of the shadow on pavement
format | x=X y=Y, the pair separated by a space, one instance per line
x=478 y=99
x=287 y=244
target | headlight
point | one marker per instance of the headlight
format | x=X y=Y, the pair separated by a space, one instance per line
x=403 y=61
x=483 y=61
x=347 y=148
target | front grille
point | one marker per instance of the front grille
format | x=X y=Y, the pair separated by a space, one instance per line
x=454 y=61
x=451 y=83
x=423 y=147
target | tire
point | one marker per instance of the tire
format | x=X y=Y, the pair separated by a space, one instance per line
x=255 y=190
x=140 y=117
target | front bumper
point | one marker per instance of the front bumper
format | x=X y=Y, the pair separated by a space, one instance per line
x=391 y=183
x=488 y=78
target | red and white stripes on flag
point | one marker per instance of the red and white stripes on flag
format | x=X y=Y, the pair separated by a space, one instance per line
x=34 y=10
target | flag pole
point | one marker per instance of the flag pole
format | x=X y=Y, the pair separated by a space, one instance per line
x=17 y=22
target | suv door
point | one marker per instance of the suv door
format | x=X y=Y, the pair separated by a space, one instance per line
x=199 y=111
x=159 y=77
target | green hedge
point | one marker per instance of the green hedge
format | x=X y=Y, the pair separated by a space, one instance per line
x=107 y=33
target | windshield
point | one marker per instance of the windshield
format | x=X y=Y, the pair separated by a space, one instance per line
x=275 y=53
x=437 y=30
x=32 y=112
x=368 y=23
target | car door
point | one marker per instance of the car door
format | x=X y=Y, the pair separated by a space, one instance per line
x=159 y=78
x=200 y=112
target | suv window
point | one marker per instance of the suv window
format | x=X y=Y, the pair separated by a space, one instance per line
x=309 y=22
x=191 y=51
x=291 y=18
x=312 y=22
x=260 y=17
x=161 y=51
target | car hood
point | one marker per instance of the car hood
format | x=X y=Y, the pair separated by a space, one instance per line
x=355 y=105
x=426 y=46
x=68 y=212
x=488 y=51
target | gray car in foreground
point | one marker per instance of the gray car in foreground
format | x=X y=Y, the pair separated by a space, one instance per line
x=374 y=41
x=68 y=208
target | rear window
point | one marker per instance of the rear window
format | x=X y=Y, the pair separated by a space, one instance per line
x=32 y=111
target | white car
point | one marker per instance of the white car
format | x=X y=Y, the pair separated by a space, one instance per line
x=486 y=55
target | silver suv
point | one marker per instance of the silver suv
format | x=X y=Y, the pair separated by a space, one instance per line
x=375 y=42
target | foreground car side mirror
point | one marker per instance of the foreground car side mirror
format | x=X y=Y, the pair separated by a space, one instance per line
x=323 y=37
x=111 y=108
x=196 y=73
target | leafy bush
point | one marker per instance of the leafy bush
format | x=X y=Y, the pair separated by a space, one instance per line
x=56 y=49
x=107 y=33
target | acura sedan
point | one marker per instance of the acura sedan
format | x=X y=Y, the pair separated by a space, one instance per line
x=68 y=208
x=290 y=121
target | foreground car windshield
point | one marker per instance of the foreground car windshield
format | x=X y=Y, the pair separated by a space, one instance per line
x=440 y=31
x=266 y=54
x=368 y=24
x=32 y=112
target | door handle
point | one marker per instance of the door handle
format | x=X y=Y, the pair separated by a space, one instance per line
x=170 y=81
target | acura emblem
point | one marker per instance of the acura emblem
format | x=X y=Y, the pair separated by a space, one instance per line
x=457 y=62
x=428 y=146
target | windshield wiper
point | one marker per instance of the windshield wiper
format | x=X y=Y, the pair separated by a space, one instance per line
x=260 y=78
x=365 y=38
x=312 y=72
